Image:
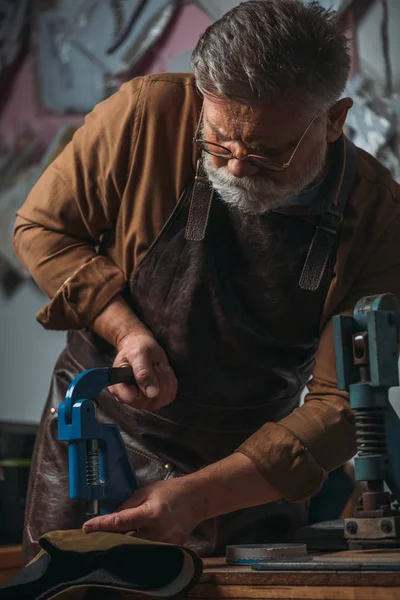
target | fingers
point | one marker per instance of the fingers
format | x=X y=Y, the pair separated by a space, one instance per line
x=157 y=384
x=148 y=386
x=168 y=384
x=145 y=374
x=161 y=511
x=128 y=394
x=119 y=522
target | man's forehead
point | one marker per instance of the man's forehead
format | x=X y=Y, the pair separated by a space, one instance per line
x=263 y=123
x=225 y=113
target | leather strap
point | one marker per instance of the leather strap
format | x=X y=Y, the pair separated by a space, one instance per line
x=200 y=206
x=320 y=250
x=328 y=228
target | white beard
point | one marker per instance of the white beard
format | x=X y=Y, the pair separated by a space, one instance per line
x=258 y=194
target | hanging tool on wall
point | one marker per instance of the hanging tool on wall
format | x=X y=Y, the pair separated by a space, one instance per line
x=100 y=472
x=122 y=28
x=367 y=355
x=83 y=52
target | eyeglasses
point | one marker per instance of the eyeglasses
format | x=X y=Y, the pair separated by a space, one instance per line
x=259 y=161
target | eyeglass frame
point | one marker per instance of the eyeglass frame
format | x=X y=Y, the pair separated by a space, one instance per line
x=281 y=166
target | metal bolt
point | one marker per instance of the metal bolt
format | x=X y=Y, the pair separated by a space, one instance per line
x=53 y=411
x=351 y=527
x=386 y=526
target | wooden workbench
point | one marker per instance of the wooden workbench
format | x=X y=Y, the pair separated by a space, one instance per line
x=222 y=581
x=10 y=562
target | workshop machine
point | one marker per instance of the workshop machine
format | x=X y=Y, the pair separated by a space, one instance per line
x=367 y=352
x=100 y=472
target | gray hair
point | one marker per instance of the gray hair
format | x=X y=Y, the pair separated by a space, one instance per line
x=268 y=50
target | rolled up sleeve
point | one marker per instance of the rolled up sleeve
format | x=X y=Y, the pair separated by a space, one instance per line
x=59 y=228
x=296 y=454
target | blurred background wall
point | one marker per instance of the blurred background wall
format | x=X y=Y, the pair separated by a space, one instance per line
x=58 y=58
x=29 y=126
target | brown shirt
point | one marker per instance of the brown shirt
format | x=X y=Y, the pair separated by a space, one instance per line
x=99 y=206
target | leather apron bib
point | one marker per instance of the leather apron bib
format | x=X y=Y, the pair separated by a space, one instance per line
x=237 y=309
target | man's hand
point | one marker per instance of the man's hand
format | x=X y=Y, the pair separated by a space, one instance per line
x=136 y=346
x=168 y=511
x=164 y=511
x=156 y=380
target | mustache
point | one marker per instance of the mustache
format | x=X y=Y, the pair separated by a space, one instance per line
x=258 y=184
x=259 y=193
x=255 y=183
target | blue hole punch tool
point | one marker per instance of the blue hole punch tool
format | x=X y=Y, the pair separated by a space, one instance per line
x=99 y=469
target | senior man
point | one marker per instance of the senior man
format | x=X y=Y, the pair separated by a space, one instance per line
x=205 y=229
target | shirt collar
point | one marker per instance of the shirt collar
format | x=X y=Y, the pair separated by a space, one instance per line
x=318 y=198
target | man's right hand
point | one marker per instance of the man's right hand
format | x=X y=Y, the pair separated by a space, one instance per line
x=155 y=378
x=136 y=347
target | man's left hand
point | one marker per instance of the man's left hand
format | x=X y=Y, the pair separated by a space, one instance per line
x=164 y=511
x=169 y=510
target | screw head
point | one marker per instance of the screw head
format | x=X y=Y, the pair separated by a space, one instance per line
x=386 y=526
x=351 y=527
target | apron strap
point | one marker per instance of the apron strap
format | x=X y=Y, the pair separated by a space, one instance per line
x=328 y=228
x=326 y=233
x=200 y=206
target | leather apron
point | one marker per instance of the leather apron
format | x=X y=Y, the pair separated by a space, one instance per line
x=237 y=309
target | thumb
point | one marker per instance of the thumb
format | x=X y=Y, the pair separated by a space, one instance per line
x=145 y=375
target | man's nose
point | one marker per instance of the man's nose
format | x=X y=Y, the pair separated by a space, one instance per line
x=241 y=168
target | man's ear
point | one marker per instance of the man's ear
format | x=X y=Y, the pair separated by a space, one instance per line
x=336 y=118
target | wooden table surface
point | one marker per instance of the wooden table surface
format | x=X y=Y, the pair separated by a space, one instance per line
x=222 y=581
x=10 y=562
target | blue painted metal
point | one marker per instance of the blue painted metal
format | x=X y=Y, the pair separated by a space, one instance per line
x=363 y=395
x=368 y=368
x=77 y=424
x=246 y=561
x=347 y=372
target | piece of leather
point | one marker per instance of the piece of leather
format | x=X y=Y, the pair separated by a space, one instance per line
x=71 y=562
x=317 y=258
x=200 y=206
